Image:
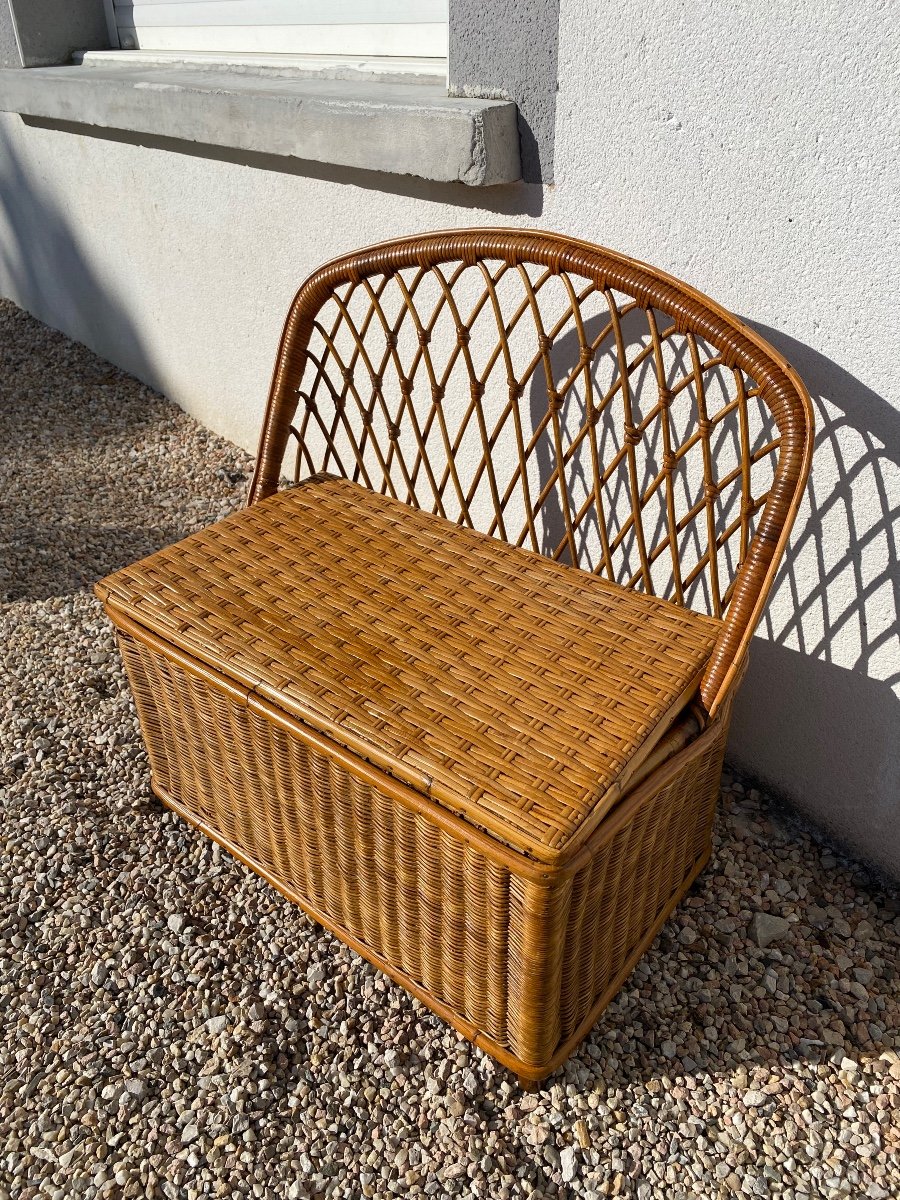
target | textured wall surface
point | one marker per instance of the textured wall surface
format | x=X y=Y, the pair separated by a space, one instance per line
x=753 y=155
x=9 y=47
x=510 y=50
x=49 y=30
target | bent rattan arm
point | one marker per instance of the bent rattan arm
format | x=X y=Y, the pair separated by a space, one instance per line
x=361 y=390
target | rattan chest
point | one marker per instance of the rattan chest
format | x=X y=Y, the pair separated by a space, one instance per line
x=491 y=773
x=417 y=731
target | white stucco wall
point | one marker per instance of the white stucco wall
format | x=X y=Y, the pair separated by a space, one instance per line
x=751 y=151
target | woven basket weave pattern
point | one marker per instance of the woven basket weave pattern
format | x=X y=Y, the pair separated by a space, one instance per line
x=491 y=774
x=522 y=961
x=556 y=395
x=507 y=687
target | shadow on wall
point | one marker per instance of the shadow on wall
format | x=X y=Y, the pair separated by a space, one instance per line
x=822 y=687
x=44 y=268
x=508 y=199
x=71 y=424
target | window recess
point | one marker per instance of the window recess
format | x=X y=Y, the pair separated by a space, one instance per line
x=416 y=29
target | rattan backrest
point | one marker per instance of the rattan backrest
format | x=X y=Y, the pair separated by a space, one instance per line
x=557 y=395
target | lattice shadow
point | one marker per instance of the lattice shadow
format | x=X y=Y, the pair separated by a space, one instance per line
x=819 y=710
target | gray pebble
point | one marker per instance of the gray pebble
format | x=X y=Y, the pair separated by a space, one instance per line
x=568 y=1164
x=766 y=928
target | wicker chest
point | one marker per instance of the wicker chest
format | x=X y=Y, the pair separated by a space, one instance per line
x=488 y=761
x=423 y=736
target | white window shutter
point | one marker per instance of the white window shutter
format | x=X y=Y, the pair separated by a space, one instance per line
x=394 y=28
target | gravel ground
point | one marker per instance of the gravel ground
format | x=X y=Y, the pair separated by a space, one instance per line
x=172 y=1028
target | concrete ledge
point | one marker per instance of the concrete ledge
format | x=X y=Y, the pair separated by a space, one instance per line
x=405 y=129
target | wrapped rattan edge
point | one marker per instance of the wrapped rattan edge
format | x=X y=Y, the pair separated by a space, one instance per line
x=567 y=860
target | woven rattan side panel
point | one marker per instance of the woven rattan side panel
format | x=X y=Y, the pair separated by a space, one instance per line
x=635 y=878
x=477 y=938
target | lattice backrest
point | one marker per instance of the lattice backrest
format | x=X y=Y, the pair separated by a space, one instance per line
x=559 y=396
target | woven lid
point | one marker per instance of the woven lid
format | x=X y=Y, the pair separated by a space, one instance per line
x=515 y=691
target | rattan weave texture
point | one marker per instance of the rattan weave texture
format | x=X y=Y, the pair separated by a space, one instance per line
x=518 y=957
x=548 y=391
x=512 y=689
x=489 y=772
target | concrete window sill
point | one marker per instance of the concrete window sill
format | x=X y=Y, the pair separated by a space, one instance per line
x=403 y=128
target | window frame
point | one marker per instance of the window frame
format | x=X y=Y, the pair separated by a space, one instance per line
x=372 y=29
x=499 y=50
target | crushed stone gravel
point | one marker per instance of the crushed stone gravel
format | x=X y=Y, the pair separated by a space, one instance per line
x=171 y=1027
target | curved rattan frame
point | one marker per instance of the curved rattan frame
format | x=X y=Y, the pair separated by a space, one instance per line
x=739 y=348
